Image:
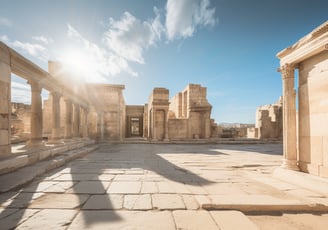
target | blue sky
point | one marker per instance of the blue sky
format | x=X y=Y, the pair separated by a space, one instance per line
x=228 y=46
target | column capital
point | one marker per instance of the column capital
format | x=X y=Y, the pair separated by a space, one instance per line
x=55 y=94
x=287 y=71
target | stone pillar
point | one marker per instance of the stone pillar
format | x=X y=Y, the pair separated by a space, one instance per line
x=68 y=119
x=100 y=126
x=289 y=119
x=5 y=104
x=85 y=123
x=55 y=115
x=76 y=121
x=166 y=124
x=36 y=114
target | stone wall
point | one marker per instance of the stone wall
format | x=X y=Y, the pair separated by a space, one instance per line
x=268 y=122
x=313 y=115
x=192 y=104
x=21 y=119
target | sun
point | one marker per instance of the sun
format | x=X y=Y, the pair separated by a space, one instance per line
x=81 y=66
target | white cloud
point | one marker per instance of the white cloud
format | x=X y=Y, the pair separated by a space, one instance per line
x=90 y=61
x=184 y=16
x=33 y=49
x=43 y=39
x=128 y=36
x=20 y=92
x=5 y=22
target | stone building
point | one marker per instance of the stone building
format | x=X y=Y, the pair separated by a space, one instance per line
x=185 y=116
x=306 y=141
x=268 y=122
x=20 y=118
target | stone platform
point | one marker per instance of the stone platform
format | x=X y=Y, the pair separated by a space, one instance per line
x=172 y=186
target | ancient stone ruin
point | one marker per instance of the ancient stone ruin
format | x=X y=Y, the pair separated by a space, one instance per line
x=268 y=122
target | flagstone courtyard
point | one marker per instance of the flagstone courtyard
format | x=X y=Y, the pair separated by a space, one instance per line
x=166 y=186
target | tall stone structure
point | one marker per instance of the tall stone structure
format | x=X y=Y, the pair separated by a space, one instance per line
x=190 y=114
x=305 y=141
x=268 y=122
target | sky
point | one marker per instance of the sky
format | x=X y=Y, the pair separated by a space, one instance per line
x=227 y=46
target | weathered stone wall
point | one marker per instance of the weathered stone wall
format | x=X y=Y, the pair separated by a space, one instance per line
x=178 y=128
x=21 y=122
x=313 y=115
x=108 y=99
x=158 y=107
x=268 y=121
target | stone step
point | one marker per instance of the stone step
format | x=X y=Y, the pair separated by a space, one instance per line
x=21 y=176
x=247 y=203
x=36 y=154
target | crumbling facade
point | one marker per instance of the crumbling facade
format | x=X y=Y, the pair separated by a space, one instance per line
x=268 y=122
x=306 y=141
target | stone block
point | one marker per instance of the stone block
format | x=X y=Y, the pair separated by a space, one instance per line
x=229 y=220
x=59 y=201
x=167 y=201
x=4 y=137
x=125 y=187
x=187 y=219
x=104 y=202
x=138 y=220
x=138 y=202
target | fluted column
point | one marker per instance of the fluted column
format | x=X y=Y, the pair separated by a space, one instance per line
x=36 y=114
x=5 y=108
x=76 y=121
x=68 y=119
x=289 y=118
x=55 y=115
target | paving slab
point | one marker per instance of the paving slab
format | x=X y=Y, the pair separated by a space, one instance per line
x=138 y=202
x=194 y=220
x=90 y=187
x=138 y=220
x=190 y=202
x=149 y=187
x=106 y=201
x=125 y=187
x=11 y=221
x=231 y=220
x=56 y=218
x=62 y=201
x=167 y=201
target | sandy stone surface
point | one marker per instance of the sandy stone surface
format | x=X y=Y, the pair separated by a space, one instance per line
x=165 y=186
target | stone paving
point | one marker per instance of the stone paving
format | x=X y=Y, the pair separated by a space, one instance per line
x=165 y=186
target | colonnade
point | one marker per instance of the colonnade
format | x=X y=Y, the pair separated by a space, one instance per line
x=38 y=79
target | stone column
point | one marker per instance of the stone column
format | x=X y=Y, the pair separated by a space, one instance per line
x=85 y=123
x=55 y=115
x=36 y=114
x=5 y=105
x=76 y=121
x=100 y=126
x=68 y=119
x=166 y=124
x=289 y=118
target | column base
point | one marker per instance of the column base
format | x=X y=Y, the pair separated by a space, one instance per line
x=55 y=141
x=290 y=164
x=5 y=150
x=34 y=143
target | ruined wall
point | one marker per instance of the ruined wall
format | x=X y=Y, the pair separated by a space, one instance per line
x=158 y=107
x=178 y=128
x=268 y=122
x=313 y=115
x=108 y=99
x=20 y=119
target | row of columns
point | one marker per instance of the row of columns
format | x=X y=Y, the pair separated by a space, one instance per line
x=289 y=118
x=73 y=123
